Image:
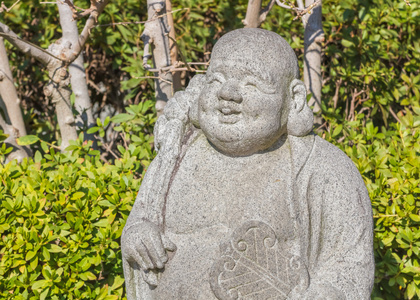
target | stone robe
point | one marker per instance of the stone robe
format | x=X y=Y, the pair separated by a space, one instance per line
x=322 y=223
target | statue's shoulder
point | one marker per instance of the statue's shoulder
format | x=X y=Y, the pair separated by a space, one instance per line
x=337 y=178
x=332 y=161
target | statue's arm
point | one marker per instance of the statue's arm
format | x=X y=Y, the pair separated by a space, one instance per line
x=143 y=243
x=340 y=253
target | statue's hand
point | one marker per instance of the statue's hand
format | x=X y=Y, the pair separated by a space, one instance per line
x=143 y=244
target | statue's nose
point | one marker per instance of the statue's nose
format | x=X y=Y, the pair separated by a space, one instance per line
x=230 y=91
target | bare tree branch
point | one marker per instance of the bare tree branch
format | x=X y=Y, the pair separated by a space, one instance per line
x=252 y=17
x=80 y=89
x=281 y=4
x=266 y=10
x=301 y=10
x=173 y=47
x=300 y=4
x=8 y=92
x=313 y=38
x=26 y=47
x=97 y=8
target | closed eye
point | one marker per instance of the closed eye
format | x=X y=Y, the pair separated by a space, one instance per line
x=254 y=82
x=215 y=77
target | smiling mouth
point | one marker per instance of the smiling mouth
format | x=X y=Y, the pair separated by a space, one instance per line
x=228 y=115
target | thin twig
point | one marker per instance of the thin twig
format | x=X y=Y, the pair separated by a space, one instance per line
x=394 y=115
x=266 y=10
x=3 y=7
x=385 y=216
x=300 y=10
x=176 y=67
x=180 y=53
x=301 y=13
x=337 y=90
x=154 y=77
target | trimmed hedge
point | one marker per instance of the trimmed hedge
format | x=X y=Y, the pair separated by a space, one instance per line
x=389 y=161
x=61 y=215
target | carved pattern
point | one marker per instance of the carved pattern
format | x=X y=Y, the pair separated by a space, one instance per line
x=253 y=266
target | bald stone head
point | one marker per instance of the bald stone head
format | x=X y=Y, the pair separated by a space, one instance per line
x=250 y=87
x=260 y=51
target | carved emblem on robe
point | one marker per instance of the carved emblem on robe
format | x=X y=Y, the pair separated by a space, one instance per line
x=255 y=265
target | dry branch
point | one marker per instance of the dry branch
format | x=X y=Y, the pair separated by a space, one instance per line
x=9 y=94
x=156 y=33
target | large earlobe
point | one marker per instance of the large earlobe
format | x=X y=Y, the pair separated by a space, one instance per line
x=301 y=119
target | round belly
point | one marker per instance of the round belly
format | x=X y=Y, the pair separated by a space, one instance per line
x=210 y=197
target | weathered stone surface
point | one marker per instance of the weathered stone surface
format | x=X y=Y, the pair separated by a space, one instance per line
x=242 y=200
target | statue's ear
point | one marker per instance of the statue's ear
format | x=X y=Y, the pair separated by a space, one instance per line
x=301 y=119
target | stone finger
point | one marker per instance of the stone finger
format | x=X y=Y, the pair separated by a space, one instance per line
x=145 y=263
x=151 y=250
x=160 y=249
x=167 y=244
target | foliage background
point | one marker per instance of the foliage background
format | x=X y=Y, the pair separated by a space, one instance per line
x=61 y=215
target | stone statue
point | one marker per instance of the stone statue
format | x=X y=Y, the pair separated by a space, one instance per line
x=243 y=201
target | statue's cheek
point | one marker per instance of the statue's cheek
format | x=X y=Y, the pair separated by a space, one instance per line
x=207 y=101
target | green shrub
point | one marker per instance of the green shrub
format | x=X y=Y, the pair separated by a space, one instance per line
x=61 y=216
x=60 y=220
x=389 y=161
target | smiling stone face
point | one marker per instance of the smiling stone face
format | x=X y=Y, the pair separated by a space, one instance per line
x=244 y=103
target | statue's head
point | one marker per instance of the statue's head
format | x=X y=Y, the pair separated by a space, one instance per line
x=252 y=94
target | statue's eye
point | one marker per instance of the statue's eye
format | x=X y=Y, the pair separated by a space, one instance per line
x=251 y=85
x=254 y=83
x=215 y=78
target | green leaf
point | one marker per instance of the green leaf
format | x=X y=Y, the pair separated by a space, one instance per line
x=44 y=294
x=27 y=140
x=29 y=255
x=92 y=130
x=405 y=78
x=122 y=118
x=38 y=156
x=337 y=130
x=39 y=284
x=77 y=195
x=101 y=223
x=347 y=43
x=55 y=249
x=411 y=290
x=118 y=281
x=415 y=218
